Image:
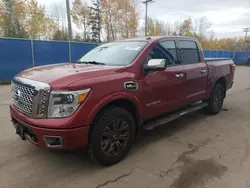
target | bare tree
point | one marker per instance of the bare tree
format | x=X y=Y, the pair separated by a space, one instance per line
x=81 y=14
x=183 y=28
x=58 y=13
x=177 y=26
x=119 y=18
x=157 y=27
x=201 y=26
x=165 y=28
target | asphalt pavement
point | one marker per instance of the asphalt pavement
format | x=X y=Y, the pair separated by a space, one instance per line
x=197 y=151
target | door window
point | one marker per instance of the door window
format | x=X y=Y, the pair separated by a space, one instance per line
x=159 y=52
x=170 y=48
x=189 y=52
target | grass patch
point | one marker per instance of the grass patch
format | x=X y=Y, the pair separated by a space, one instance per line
x=4 y=82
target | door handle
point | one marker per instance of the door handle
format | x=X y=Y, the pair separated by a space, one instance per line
x=203 y=71
x=179 y=75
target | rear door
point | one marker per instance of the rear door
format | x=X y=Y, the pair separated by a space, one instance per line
x=163 y=90
x=195 y=71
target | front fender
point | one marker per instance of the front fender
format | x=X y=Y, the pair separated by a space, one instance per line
x=111 y=98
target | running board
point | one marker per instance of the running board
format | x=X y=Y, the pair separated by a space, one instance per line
x=171 y=117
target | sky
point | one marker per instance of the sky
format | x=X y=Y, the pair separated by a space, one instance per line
x=229 y=17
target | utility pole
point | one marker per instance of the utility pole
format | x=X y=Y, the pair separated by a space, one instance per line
x=69 y=29
x=146 y=16
x=246 y=30
x=69 y=20
x=10 y=16
x=10 y=9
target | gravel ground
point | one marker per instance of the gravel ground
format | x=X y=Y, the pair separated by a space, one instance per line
x=195 y=151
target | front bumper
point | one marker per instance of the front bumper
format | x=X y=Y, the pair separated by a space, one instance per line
x=73 y=138
x=232 y=84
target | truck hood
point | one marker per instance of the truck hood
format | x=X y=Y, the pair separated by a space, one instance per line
x=66 y=73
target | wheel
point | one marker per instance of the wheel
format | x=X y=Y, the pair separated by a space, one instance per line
x=112 y=136
x=216 y=100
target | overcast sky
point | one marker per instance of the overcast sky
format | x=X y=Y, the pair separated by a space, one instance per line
x=229 y=17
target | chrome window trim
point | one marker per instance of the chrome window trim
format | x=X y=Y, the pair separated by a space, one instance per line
x=36 y=84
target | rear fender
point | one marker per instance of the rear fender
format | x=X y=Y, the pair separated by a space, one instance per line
x=216 y=81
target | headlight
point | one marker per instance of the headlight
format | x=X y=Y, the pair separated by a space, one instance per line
x=65 y=103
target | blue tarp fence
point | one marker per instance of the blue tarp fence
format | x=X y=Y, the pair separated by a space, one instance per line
x=240 y=58
x=218 y=54
x=17 y=55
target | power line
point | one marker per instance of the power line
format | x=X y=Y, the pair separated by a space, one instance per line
x=146 y=15
x=172 y=9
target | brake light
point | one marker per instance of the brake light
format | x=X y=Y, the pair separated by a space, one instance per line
x=233 y=67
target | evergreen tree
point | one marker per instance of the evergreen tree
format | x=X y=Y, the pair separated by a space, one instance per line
x=95 y=21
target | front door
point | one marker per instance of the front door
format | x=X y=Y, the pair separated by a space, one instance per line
x=163 y=91
x=195 y=71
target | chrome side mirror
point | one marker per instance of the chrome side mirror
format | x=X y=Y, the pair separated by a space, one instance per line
x=156 y=65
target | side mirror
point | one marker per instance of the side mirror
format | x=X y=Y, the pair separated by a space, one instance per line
x=156 y=65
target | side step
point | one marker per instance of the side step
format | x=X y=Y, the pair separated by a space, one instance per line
x=171 y=117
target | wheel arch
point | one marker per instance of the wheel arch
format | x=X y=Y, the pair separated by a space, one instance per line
x=122 y=102
x=221 y=80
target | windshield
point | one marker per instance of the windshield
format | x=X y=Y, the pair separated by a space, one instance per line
x=117 y=53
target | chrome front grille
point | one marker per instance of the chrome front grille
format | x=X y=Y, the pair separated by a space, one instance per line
x=23 y=97
x=30 y=97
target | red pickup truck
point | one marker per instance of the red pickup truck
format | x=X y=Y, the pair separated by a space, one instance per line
x=113 y=92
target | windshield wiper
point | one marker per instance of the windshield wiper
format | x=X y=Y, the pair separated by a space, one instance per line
x=91 y=62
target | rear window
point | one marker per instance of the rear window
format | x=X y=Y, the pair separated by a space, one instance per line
x=189 y=52
x=187 y=44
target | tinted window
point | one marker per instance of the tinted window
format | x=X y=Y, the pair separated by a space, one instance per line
x=170 y=47
x=158 y=53
x=187 y=44
x=188 y=52
x=117 y=53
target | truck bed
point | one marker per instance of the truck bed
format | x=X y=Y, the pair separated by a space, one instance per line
x=220 y=67
x=217 y=59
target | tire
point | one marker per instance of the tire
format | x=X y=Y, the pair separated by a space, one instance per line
x=216 y=100
x=112 y=136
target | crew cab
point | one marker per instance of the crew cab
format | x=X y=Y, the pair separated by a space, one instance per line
x=108 y=96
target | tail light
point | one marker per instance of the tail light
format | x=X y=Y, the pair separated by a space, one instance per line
x=233 y=67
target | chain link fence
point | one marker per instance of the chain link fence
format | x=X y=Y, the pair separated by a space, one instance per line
x=17 y=55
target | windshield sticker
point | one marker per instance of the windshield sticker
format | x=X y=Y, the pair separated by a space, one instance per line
x=132 y=48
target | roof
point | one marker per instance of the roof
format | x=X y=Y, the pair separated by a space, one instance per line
x=154 y=38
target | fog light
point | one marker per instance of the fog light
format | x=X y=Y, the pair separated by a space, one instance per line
x=53 y=141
